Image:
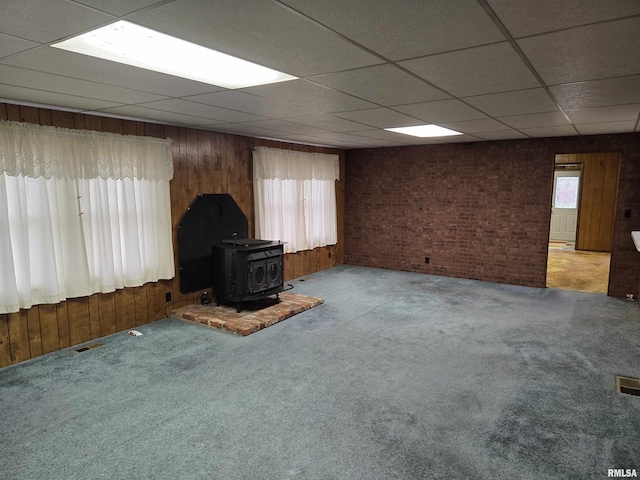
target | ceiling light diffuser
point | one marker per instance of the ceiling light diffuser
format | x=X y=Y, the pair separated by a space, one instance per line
x=425 y=131
x=128 y=43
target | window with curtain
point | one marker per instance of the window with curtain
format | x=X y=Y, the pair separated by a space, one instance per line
x=295 y=197
x=81 y=212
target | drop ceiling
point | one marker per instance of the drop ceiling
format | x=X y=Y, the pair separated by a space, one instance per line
x=491 y=69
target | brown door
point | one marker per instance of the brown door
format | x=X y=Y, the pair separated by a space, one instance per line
x=599 y=191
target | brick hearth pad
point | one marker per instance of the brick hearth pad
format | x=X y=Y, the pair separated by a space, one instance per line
x=254 y=316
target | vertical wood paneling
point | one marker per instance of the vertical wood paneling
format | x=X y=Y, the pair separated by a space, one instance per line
x=64 y=336
x=19 y=336
x=35 y=336
x=597 y=200
x=107 y=309
x=140 y=305
x=5 y=348
x=79 y=325
x=94 y=317
x=204 y=162
x=49 y=328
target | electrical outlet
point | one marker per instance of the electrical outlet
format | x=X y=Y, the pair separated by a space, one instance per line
x=167 y=297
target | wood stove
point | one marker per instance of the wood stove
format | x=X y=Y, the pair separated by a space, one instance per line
x=213 y=251
x=247 y=269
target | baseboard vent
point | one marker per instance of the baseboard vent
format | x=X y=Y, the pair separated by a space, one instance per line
x=630 y=386
x=89 y=347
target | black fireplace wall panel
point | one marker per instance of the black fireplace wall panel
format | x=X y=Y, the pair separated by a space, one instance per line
x=210 y=219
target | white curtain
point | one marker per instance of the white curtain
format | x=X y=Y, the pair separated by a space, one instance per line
x=295 y=197
x=80 y=212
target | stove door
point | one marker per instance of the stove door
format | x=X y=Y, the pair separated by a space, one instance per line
x=257 y=276
x=274 y=272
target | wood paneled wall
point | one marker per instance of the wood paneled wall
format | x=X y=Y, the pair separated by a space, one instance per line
x=598 y=193
x=204 y=162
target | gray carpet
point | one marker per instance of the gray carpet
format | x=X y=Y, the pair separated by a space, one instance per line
x=397 y=375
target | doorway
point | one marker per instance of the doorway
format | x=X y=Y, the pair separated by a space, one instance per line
x=582 y=216
x=564 y=203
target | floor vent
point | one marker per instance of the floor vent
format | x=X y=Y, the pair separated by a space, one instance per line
x=630 y=386
x=89 y=347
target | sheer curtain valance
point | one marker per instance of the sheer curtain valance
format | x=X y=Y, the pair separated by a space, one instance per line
x=35 y=151
x=274 y=163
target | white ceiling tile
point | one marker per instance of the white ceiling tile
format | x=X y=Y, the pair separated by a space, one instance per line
x=61 y=62
x=441 y=111
x=170 y=118
x=52 y=99
x=186 y=107
x=310 y=95
x=598 y=93
x=345 y=137
x=284 y=126
x=619 y=113
x=383 y=84
x=475 y=126
x=118 y=7
x=461 y=139
x=10 y=45
x=560 y=131
x=605 y=128
x=530 y=17
x=533 y=120
x=475 y=71
x=532 y=100
x=21 y=77
x=400 y=30
x=258 y=31
x=241 y=129
x=245 y=102
x=329 y=122
x=45 y=22
x=380 y=134
x=501 y=135
x=591 y=52
x=380 y=117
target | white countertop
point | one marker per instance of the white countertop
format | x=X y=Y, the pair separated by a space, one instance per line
x=636 y=239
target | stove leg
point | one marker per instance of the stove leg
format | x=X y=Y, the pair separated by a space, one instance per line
x=238 y=307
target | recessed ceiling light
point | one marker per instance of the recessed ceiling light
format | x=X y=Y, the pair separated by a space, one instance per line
x=128 y=43
x=425 y=131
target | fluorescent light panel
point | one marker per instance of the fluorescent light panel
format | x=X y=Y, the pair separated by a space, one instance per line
x=128 y=43
x=425 y=131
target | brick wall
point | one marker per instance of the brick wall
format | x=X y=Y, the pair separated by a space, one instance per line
x=477 y=210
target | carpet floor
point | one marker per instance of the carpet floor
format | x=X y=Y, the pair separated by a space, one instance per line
x=396 y=376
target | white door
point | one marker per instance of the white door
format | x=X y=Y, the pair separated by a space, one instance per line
x=564 y=208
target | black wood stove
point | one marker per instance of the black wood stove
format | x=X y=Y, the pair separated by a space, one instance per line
x=213 y=251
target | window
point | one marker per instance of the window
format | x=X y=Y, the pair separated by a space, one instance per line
x=567 y=192
x=80 y=213
x=295 y=197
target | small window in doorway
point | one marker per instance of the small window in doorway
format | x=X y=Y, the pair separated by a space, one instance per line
x=567 y=192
